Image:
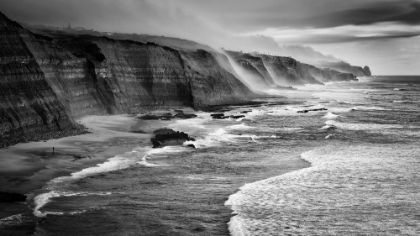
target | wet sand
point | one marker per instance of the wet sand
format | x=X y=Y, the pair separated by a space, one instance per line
x=27 y=167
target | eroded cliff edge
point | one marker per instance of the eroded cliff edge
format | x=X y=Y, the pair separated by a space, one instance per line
x=47 y=82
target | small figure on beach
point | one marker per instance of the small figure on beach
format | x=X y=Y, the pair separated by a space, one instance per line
x=53 y=150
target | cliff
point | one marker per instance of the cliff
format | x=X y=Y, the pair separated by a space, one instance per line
x=49 y=80
x=271 y=71
x=28 y=104
x=345 y=67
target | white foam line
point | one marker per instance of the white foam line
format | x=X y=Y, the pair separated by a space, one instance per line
x=42 y=199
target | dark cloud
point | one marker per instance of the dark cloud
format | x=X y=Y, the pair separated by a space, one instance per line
x=223 y=23
x=406 y=12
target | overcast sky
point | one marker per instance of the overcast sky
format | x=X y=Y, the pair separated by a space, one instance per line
x=384 y=34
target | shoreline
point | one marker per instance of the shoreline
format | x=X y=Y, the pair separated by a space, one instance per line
x=211 y=189
x=34 y=163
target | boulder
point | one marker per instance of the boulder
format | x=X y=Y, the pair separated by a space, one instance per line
x=237 y=117
x=185 y=116
x=169 y=137
x=12 y=197
x=317 y=109
x=149 y=117
x=218 y=116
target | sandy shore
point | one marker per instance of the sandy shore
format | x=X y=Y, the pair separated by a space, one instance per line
x=27 y=166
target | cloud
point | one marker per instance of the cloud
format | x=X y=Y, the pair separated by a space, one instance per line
x=247 y=25
x=402 y=11
x=340 y=34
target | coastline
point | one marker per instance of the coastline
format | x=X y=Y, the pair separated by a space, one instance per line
x=25 y=168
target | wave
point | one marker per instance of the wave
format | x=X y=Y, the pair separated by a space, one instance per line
x=240 y=127
x=138 y=156
x=330 y=116
x=360 y=126
x=340 y=178
x=42 y=199
x=369 y=108
x=115 y=163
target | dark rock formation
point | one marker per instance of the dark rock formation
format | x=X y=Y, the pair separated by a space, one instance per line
x=28 y=104
x=191 y=146
x=317 y=109
x=169 y=137
x=218 y=116
x=12 y=197
x=237 y=117
x=184 y=116
x=149 y=117
x=367 y=71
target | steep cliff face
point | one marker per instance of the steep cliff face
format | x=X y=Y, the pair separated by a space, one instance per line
x=327 y=75
x=133 y=76
x=67 y=75
x=28 y=104
x=288 y=71
x=253 y=65
x=141 y=75
x=367 y=71
x=209 y=79
x=47 y=81
x=345 y=67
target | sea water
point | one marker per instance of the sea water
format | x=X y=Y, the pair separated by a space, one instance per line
x=246 y=176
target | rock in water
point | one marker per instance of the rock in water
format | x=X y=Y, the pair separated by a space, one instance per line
x=169 y=137
x=185 y=116
x=12 y=197
x=149 y=117
x=191 y=145
x=218 y=116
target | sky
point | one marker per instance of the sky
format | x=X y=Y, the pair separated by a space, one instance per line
x=383 y=34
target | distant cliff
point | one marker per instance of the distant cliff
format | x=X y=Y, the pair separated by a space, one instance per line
x=276 y=70
x=346 y=68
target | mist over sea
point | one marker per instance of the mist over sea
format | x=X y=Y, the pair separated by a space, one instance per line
x=335 y=159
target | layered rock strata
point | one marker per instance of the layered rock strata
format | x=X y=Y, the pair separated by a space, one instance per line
x=48 y=81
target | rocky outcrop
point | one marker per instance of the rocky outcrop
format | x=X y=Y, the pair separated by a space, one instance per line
x=28 y=104
x=12 y=197
x=168 y=137
x=288 y=71
x=284 y=71
x=210 y=82
x=345 y=67
x=254 y=66
x=367 y=71
x=328 y=75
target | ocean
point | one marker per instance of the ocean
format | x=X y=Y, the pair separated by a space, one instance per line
x=335 y=159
